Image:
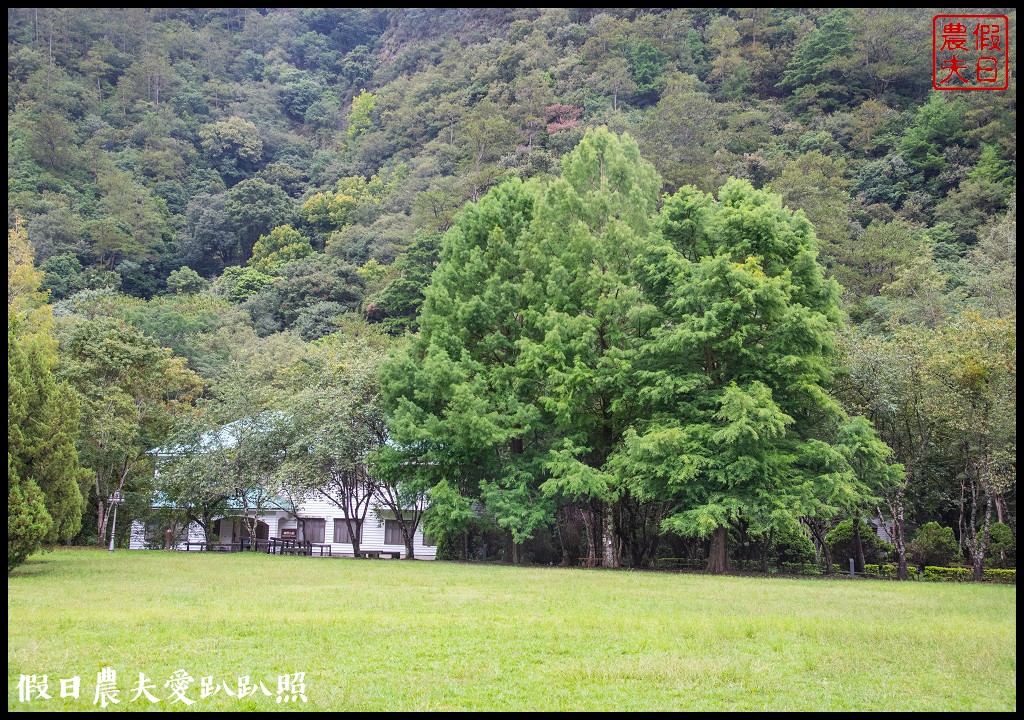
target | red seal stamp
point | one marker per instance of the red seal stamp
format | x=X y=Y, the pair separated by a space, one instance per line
x=970 y=52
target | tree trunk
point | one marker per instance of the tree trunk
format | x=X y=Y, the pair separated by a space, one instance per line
x=767 y=551
x=410 y=553
x=979 y=556
x=354 y=537
x=562 y=525
x=899 y=539
x=588 y=522
x=1005 y=516
x=610 y=540
x=858 y=546
x=819 y=539
x=718 y=558
x=101 y=521
x=506 y=550
x=960 y=522
x=207 y=525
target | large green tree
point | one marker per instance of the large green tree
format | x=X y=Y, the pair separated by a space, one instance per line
x=741 y=423
x=458 y=410
x=336 y=418
x=589 y=321
x=130 y=388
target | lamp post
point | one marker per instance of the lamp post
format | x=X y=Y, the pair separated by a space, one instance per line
x=115 y=500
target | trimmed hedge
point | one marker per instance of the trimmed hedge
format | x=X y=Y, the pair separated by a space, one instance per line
x=947 y=574
x=965 y=574
x=885 y=571
x=800 y=568
x=932 y=573
x=944 y=574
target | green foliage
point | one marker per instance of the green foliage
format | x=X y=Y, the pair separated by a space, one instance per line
x=947 y=574
x=740 y=374
x=240 y=282
x=1000 y=576
x=298 y=93
x=63 y=276
x=933 y=545
x=841 y=540
x=791 y=546
x=818 y=71
x=540 y=349
x=970 y=208
x=816 y=184
x=45 y=479
x=280 y=246
x=993 y=168
x=192 y=134
x=327 y=211
x=646 y=62
x=254 y=208
x=27 y=520
x=866 y=266
x=937 y=124
x=130 y=388
x=884 y=571
x=360 y=119
x=185 y=281
x=440 y=407
x=233 y=146
x=1002 y=546
x=178 y=322
x=450 y=513
x=308 y=291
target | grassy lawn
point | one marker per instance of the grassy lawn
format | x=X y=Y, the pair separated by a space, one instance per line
x=386 y=635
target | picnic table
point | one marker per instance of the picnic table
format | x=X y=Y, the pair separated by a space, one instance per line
x=287 y=546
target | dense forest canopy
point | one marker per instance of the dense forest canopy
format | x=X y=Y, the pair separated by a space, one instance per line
x=221 y=194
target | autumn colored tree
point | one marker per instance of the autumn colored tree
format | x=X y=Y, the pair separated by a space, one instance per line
x=44 y=477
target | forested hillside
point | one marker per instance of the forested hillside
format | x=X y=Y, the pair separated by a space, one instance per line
x=229 y=207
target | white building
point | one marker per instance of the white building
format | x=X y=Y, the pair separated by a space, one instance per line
x=316 y=521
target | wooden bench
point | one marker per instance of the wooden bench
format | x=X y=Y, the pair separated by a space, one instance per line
x=286 y=546
x=323 y=550
x=375 y=554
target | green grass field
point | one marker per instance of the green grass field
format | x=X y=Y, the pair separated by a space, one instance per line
x=387 y=635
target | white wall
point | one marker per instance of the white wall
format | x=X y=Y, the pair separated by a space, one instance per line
x=373 y=530
x=137 y=536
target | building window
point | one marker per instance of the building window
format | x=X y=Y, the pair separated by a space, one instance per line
x=313 y=529
x=429 y=541
x=393 y=533
x=341 y=530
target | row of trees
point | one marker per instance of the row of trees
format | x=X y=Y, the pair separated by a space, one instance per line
x=581 y=351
